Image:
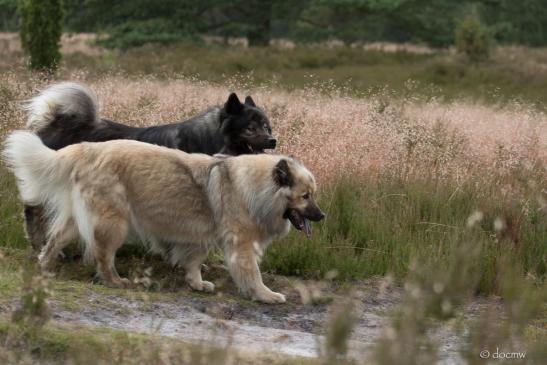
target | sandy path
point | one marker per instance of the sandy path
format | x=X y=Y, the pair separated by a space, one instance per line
x=292 y=329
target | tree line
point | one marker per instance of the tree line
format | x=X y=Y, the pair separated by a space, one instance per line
x=433 y=22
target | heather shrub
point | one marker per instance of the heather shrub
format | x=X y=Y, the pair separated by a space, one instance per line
x=473 y=38
x=41 y=30
x=334 y=350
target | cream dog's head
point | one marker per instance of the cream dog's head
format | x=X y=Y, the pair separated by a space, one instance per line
x=299 y=188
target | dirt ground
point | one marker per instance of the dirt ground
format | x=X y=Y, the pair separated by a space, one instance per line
x=296 y=328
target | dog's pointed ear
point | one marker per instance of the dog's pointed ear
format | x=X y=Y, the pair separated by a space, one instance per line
x=282 y=174
x=233 y=105
x=249 y=101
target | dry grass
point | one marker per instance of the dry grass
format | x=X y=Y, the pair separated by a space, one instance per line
x=333 y=134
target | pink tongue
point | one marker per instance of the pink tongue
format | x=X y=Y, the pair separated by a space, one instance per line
x=307 y=228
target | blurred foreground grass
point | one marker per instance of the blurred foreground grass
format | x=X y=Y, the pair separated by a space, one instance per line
x=66 y=344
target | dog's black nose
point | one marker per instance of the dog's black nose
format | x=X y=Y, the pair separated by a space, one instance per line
x=317 y=216
x=272 y=142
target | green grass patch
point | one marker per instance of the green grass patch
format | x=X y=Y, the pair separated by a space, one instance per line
x=511 y=73
x=381 y=226
x=441 y=75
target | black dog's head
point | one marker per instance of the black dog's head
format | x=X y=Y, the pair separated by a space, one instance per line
x=245 y=127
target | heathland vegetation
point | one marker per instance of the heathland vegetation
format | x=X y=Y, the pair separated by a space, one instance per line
x=445 y=198
x=431 y=166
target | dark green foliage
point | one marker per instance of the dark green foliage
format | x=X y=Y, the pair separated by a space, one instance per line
x=259 y=19
x=100 y=15
x=8 y=20
x=134 y=23
x=523 y=22
x=428 y=21
x=473 y=39
x=41 y=30
x=135 y=33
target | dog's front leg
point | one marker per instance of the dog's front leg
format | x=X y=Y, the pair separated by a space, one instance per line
x=242 y=262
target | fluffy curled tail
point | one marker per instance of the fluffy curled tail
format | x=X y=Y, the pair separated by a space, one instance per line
x=65 y=102
x=37 y=168
x=42 y=178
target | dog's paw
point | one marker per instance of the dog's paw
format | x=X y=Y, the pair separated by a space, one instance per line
x=46 y=266
x=47 y=270
x=126 y=283
x=121 y=283
x=208 y=286
x=269 y=297
x=205 y=286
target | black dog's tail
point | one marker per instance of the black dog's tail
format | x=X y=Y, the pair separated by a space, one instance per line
x=66 y=102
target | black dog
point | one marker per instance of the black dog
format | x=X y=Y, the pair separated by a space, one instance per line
x=67 y=113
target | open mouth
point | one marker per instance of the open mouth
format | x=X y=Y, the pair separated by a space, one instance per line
x=254 y=150
x=298 y=221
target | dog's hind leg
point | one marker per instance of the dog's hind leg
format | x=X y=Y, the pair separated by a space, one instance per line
x=242 y=262
x=56 y=242
x=193 y=259
x=35 y=226
x=109 y=235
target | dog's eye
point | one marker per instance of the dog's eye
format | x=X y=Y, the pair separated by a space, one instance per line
x=306 y=196
x=251 y=129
